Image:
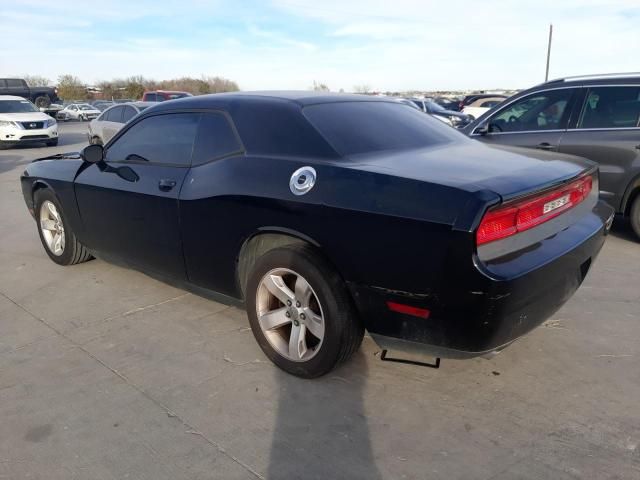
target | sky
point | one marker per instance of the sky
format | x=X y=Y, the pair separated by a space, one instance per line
x=391 y=45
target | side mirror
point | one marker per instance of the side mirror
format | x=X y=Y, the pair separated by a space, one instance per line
x=92 y=153
x=482 y=129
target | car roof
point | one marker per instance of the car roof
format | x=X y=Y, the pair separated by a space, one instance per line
x=300 y=98
x=587 y=80
x=11 y=97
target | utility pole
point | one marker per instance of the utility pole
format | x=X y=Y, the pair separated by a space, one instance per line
x=546 y=74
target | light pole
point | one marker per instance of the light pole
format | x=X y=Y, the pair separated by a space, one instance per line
x=546 y=74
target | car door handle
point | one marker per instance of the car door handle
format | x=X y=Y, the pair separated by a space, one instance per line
x=166 y=184
x=545 y=146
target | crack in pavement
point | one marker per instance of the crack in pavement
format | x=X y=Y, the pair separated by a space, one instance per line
x=170 y=413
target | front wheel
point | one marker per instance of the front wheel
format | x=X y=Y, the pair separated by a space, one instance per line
x=635 y=216
x=56 y=235
x=52 y=143
x=300 y=312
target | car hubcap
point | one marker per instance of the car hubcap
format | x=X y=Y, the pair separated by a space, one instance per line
x=52 y=227
x=290 y=314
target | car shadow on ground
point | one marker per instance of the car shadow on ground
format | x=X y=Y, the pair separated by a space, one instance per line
x=621 y=228
x=10 y=161
x=321 y=432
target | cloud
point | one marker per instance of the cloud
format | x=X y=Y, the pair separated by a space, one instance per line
x=405 y=44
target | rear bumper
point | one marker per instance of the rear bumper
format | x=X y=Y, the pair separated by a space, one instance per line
x=481 y=307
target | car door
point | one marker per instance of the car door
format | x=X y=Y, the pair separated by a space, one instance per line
x=537 y=120
x=129 y=202
x=607 y=131
x=112 y=123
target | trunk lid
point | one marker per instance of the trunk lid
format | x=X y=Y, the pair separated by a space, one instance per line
x=472 y=166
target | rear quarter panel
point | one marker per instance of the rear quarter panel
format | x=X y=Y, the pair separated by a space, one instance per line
x=387 y=231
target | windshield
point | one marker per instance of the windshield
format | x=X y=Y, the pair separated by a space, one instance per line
x=434 y=107
x=17 y=106
x=84 y=106
x=363 y=127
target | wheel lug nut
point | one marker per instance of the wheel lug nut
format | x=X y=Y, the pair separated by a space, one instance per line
x=302 y=316
x=288 y=303
x=298 y=304
x=287 y=314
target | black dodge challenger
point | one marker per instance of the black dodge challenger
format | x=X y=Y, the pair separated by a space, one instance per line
x=328 y=214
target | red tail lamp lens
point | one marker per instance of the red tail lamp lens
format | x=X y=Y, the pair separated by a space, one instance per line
x=502 y=222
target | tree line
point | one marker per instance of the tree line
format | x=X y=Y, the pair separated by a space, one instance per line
x=71 y=87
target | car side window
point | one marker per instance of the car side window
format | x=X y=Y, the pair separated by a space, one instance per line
x=128 y=114
x=216 y=138
x=114 y=115
x=162 y=139
x=611 y=107
x=546 y=110
x=150 y=97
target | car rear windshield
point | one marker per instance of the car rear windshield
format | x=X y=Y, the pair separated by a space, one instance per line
x=354 y=128
x=17 y=106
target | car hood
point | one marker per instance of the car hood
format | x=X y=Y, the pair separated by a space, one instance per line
x=473 y=166
x=24 y=117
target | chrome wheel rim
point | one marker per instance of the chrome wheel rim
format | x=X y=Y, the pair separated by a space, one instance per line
x=52 y=228
x=290 y=315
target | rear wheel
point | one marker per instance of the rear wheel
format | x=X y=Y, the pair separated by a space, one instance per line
x=300 y=312
x=43 y=102
x=56 y=235
x=635 y=215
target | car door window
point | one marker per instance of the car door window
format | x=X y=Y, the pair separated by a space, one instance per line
x=150 y=97
x=162 y=139
x=611 y=107
x=216 y=138
x=128 y=113
x=114 y=115
x=540 y=111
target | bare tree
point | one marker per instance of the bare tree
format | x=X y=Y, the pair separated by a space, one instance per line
x=364 y=88
x=71 y=88
x=320 y=87
x=37 y=81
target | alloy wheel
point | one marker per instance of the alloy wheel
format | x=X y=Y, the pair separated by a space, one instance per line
x=290 y=314
x=52 y=228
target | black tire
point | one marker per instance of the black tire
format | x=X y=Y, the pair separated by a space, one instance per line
x=81 y=118
x=52 y=143
x=74 y=252
x=42 y=102
x=635 y=215
x=343 y=331
x=4 y=145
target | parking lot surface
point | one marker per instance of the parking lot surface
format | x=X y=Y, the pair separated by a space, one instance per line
x=106 y=373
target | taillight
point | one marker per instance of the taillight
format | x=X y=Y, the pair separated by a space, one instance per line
x=508 y=220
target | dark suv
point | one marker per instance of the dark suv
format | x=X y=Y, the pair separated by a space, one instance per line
x=596 y=117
